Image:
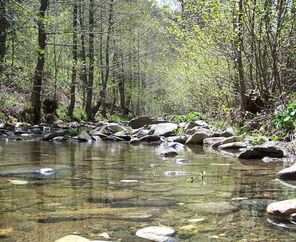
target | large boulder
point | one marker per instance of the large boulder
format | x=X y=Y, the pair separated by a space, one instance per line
x=163 y=129
x=281 y=210
x=261 y=151
x=139 y=122
x=198 y=137
x=156 y=233
x=288 y=173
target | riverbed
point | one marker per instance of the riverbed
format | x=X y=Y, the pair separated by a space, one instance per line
x=107 y=191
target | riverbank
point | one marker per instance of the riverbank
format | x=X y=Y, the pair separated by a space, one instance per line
x=145 y=130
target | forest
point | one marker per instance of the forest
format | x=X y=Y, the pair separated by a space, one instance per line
x=86 y=59
x=147 y=120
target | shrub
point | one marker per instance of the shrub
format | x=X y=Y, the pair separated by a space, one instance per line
x=286 y=120
x=79 y=113
x=193 y=116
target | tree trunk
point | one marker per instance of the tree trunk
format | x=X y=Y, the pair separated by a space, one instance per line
x=74 y=62
x=83 y=71
x=102 y=98
x=39 y=70
x=122 y=87
x=2 y=34
x=89 y=88
x=239 y=60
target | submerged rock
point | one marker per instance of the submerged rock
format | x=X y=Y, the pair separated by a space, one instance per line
x=261 y=151
x=282 y=210
x=169 y=153
x=182 y=161
x=212 y=207
x=288 y=173
x=156 y=233
x=72 y=238
x=17 y=182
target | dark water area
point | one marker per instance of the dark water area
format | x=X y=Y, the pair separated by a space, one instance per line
x=116 y=188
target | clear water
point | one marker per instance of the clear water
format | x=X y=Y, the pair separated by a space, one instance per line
x=87 y=194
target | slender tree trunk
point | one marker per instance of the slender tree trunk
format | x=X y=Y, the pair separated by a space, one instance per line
x=2 y=35
x=83 y=71
x=102 y=99
x=74 y=62
x=89 y=94
x=39 y=70
x=122 y=87
x=239 y=58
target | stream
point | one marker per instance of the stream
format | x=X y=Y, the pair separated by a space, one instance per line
x=107 y=191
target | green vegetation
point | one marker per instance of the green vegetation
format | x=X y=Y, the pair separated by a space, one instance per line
x=286 y=120
x=225 y=61
x=193 y=116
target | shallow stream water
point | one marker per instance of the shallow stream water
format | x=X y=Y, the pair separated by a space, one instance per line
x=116 y=188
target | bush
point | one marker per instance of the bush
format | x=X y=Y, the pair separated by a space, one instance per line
x=79 y=114
x=286 y=120
x=116 y=118
x=193 y=116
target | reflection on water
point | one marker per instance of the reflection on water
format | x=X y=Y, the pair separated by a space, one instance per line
x=117 y=188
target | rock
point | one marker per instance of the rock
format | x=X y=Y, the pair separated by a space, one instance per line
x=18 y=182
x=4 y=233
x=84 y=137
x=140 y=122
x=72 y=238
x=110 y=196
x=122 y=135
x=110 y=128
x=228 y=132
x=176 y=173
x=288 y=173
x=233 y=146
x=215 y=142
x=179 y=139
x=135 y=141
x=169 y=153
x=198 y=137
x=163 y=129
x=56 y=133
x=212 y=207
x=261 y=151
x=104 y=235
x=196 y=220
x=281 y=210
x=182 y=161
x=156 y=233
x=150 y=138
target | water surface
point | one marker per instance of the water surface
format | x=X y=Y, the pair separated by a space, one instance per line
x=117 y=188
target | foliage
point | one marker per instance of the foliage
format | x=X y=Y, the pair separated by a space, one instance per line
x=79 y=114
x=286 y=120
x=62 y=112
x=116 y=118
x=193 y=116
x=2 y=116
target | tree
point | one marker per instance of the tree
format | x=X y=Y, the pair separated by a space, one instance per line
x=75 y=57
x=39 y=70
